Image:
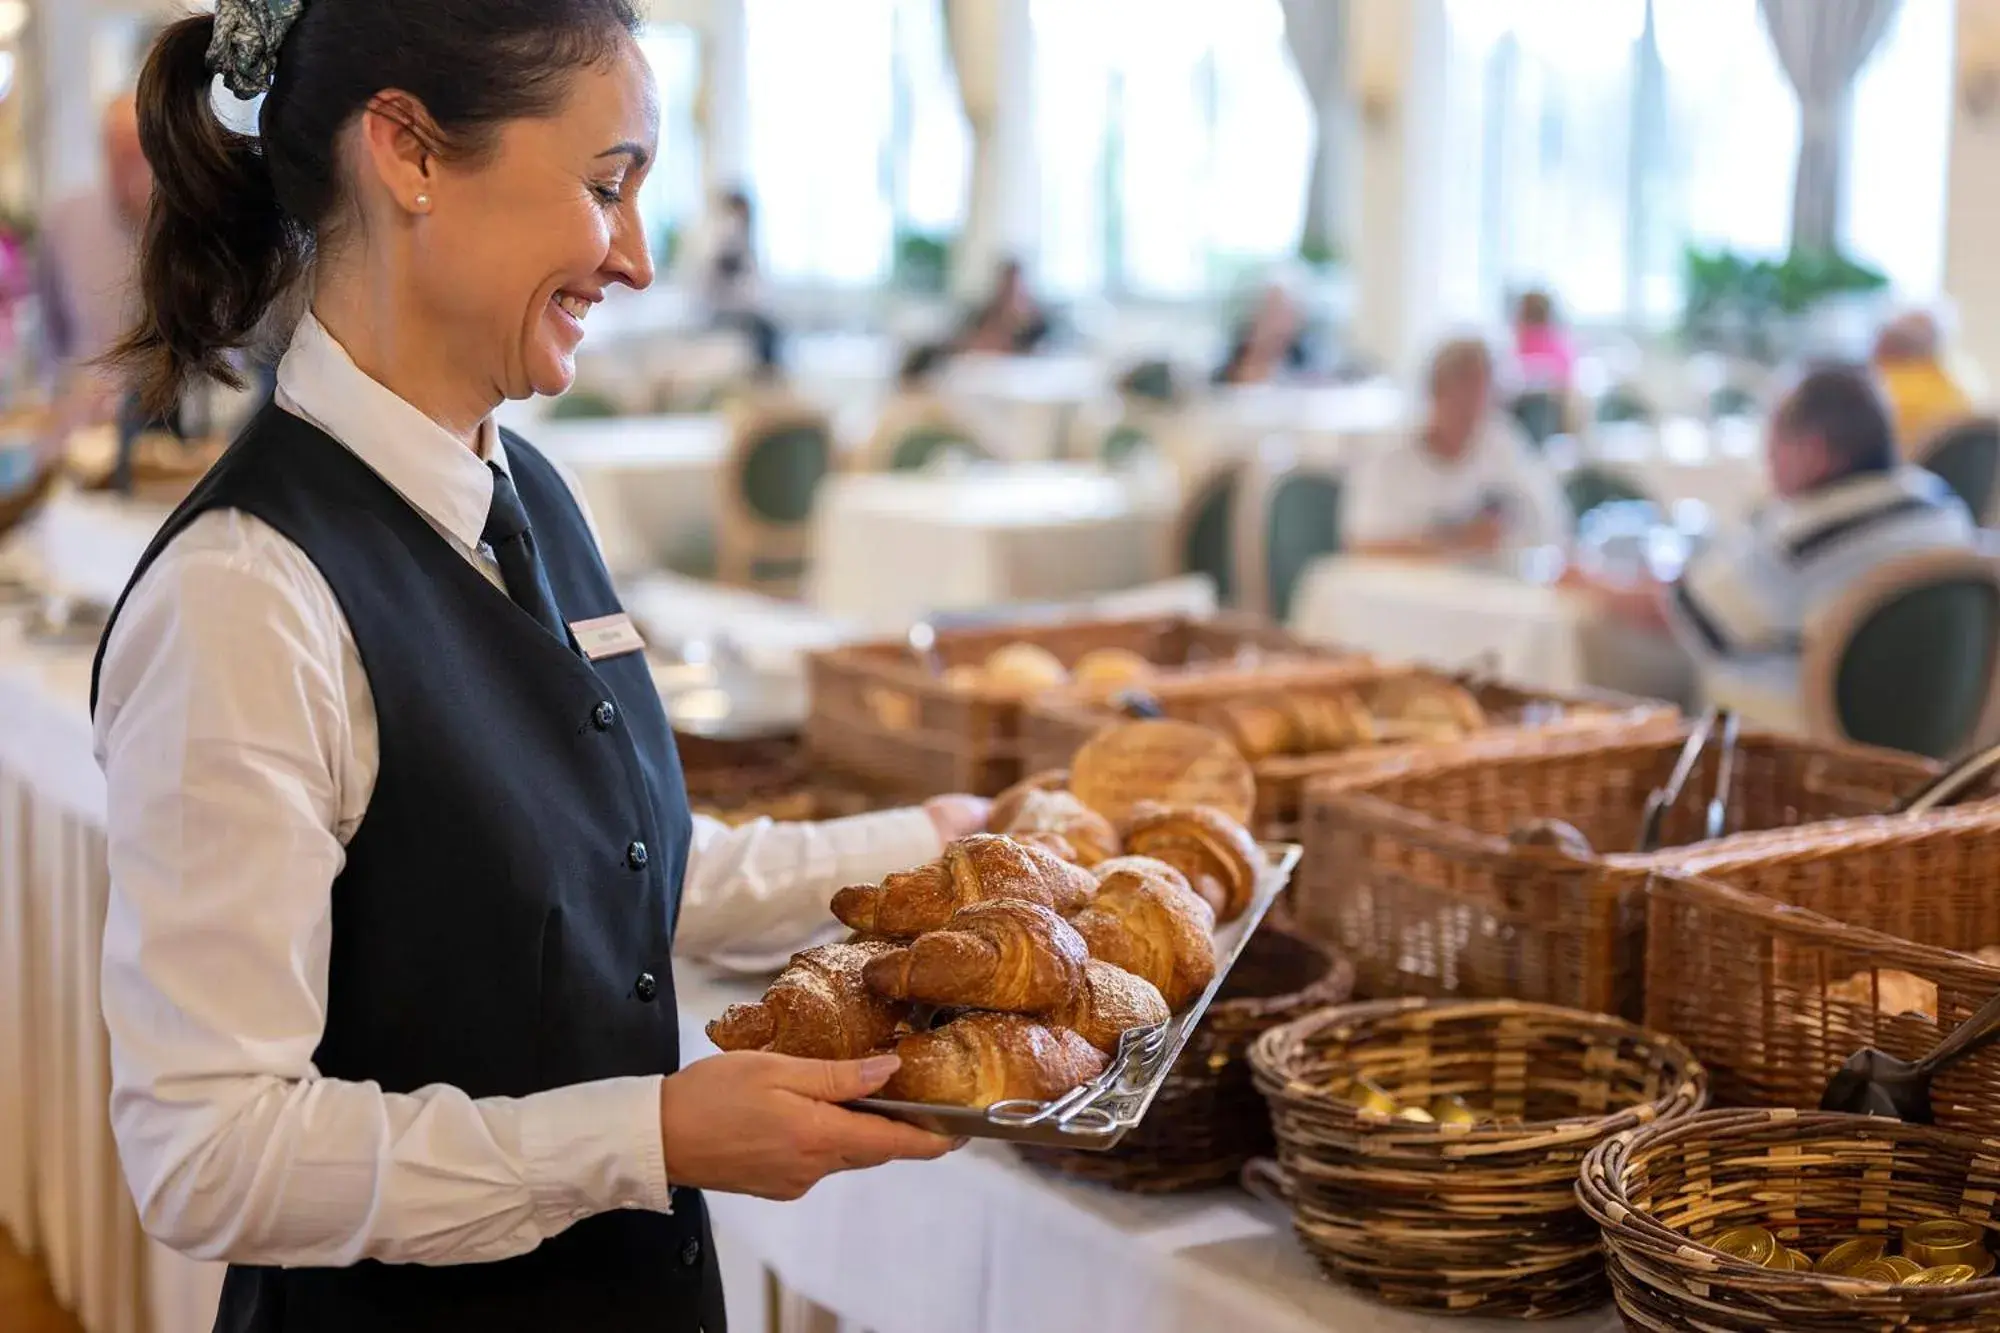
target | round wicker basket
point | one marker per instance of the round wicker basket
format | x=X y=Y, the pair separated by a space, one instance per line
x=1812 y=1178
x=1208 y=1119
x=1465 y=1219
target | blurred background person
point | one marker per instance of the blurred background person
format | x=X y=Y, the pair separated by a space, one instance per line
x=1924 y=393
x=726 y=275
x=1011 y=322
x=1544 y=356
x=89 y=251
x=1466 y=483
x=1271 y=345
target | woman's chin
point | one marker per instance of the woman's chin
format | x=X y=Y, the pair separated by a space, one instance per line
x=551 y=374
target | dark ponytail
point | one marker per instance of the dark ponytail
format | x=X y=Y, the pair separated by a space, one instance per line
x=235 y=221
x=219 y=251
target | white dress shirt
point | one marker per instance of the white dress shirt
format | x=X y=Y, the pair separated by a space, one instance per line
x=1404 y=492
x=238 y=738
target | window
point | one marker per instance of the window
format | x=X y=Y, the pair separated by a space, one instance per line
x=855 y=128
x=1174 y=143
x=1590 y=141
x=672 y=198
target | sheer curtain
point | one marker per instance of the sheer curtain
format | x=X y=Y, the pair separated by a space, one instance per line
x=1174 y=142
x=672 y=198
x=1591 y=141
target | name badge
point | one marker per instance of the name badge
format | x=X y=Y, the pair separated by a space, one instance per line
x=606 y=636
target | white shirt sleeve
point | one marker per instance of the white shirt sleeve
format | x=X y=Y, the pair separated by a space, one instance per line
x=760 y=892
x=226 y=735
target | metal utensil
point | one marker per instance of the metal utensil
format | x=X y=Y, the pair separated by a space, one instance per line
x=1665 y=798
x=1950 y=786
x=1874 y=1083
x=1725 y=780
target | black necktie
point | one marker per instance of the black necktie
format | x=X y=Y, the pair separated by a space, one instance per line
x=513 y=547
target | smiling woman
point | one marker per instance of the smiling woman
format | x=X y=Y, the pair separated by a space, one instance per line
x=398 y=838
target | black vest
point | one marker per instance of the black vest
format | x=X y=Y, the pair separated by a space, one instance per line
x=505 y=918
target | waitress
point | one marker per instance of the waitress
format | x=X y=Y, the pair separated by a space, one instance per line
x=398 y=834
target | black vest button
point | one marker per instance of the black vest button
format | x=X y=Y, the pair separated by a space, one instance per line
x=635 y=856
x=604 y=716
x=690 y=1254
x=646 y=988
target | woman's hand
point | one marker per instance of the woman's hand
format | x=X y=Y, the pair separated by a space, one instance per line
x=747 y=1122
x=956 y=816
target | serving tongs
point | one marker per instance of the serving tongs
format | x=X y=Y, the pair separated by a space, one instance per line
x=1875 y=1083
x=1950 y=786
x=1664 y=799
x=1078 y=1111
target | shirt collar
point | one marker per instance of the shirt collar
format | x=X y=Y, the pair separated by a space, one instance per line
x=1850 y=497
x=424 y=463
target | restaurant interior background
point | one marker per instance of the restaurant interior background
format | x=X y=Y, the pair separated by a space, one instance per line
x=1173 y=179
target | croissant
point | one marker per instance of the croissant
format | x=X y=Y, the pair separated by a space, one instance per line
x=1089 y=834
x=819 y=1008
x=1110 y=1001
x=1217 y=854
x=1006 y=954
x=981 y=1058
x=1008 y=803
x=1147 y=920
x=973 y=869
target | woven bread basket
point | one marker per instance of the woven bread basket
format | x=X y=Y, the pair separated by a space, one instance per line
x=1661 y=1193
x=1463 y=1219
x=1208 y=1119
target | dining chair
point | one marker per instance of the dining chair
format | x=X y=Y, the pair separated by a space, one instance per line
x=778 y=456
x=1590 y=485
x=1291 y=518
x=1909 y=657
x=1966 y=454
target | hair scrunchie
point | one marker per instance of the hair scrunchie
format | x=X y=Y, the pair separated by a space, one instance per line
x=244 y=50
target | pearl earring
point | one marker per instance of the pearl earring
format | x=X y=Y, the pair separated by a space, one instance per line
x=423 y=203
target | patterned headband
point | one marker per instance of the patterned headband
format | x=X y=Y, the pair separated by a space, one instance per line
x=244 y=50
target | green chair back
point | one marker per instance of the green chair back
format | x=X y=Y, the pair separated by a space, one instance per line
x=1122 y=443
x=1623 y=404
x=1304 y=524
x=1967 y=457
x=584 y=405
x=1590 y=486
x=782 y=470
x=923 y=445
x=1540 y=414
x=1733 y=400
x=1915 y=674
x=1152 y=381
x=1209 y=544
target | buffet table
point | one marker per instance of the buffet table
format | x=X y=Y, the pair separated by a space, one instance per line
x=890 y=548
x=973 y=1243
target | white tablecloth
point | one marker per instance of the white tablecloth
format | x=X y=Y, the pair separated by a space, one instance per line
x=651 y=482
x=1720 y=464
x=1529 y=633
x=891 y=548
x=1023 y=404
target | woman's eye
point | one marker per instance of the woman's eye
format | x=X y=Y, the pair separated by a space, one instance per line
x=608 y=194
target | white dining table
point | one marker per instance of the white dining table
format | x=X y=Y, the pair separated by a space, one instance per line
x=652 y=482
x=890 y=548
x=1717 y=464
x=1023 y=404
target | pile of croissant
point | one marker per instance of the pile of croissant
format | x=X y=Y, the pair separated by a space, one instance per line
x=1010 y=966
x=1400 y=708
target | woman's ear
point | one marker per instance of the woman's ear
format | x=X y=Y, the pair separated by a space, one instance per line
x=399 y=149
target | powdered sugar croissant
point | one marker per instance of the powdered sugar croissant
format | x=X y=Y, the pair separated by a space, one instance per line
x=1007 y=954
x=983 y=1058
x=818 y=1008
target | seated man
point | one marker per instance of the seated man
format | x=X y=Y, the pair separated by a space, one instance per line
x=1468 y=484
x=1924 y=396
x=1844 y=506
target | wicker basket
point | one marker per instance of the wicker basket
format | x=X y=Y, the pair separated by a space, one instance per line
x=1776 y=961
x=1478 y=1219
x=878 y=717
x=1418 y=871
x=1208 y=1119
x=1814 y=1180
x=738 y=780
x=1053 y=730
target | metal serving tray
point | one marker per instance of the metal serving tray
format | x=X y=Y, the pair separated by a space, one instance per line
x=1097 y=1114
